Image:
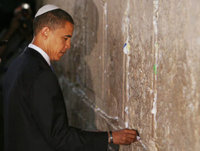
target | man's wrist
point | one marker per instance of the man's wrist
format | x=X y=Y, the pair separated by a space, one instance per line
x=110 y=137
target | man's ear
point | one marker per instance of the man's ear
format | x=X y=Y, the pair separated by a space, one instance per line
x=45 y=32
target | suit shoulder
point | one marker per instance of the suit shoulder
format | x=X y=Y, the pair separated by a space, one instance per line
x=26 y=68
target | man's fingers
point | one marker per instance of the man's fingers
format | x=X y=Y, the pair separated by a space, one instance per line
x=130 y=131
x=131 y=136
x=128 y=141
x=125 y=136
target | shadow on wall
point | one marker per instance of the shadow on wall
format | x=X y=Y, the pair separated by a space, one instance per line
x=86 y=19
x=85 y=37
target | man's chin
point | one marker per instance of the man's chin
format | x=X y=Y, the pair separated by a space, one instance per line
x=60 y=56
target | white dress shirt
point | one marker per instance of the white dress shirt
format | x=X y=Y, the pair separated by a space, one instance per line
x=42 y=52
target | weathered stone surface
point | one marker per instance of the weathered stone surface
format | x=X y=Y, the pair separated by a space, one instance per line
x=152 y=84
x=178 y=117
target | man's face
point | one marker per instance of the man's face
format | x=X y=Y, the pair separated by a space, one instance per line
x=59 y=41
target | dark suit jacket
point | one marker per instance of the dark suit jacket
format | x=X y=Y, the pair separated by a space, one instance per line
x=34 y=111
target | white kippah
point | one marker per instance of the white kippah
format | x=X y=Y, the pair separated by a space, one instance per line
x=45 y=9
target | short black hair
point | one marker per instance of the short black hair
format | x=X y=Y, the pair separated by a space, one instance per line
x=52 y=19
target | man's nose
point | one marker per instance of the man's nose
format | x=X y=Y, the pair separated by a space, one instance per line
x=68 y=45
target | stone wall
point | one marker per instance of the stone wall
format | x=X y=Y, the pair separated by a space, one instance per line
x=135 y=64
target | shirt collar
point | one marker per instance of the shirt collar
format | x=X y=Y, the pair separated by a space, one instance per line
x=42 y=52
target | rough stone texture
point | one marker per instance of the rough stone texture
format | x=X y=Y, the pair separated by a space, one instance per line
x=178 y=116
x=152 y=85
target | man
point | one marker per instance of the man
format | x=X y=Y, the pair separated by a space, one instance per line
x=34 y=110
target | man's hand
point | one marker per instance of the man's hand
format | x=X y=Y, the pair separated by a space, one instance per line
x=124 y=137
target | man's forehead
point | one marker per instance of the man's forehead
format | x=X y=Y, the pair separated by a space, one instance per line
x=67 y=30
x=69 y=25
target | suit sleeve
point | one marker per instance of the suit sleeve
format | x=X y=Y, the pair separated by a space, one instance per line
x=49 y=113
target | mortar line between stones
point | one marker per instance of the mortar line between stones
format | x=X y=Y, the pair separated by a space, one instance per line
x=155 y=66
x=124 y=86
x=126 y=61
x=104 y=47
